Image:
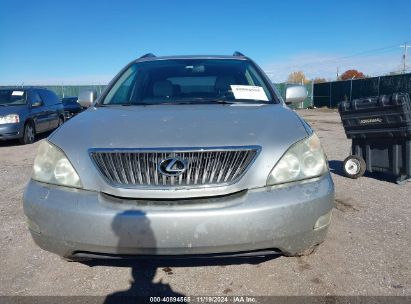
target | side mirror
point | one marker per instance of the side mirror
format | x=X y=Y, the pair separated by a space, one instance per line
x=36 y=104
x=87 y=97
x=295 y=94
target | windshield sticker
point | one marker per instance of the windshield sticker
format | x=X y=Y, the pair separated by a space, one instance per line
x=17 y=93
x=248 y=92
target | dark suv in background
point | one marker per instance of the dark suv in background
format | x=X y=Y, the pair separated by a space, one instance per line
x=71 y=106
x=25 y=112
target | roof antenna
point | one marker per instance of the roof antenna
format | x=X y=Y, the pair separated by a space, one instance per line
x=148 y=55
x=237 y=53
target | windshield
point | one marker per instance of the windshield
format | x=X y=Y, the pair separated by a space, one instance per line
x=182 y=81
x=12 y=97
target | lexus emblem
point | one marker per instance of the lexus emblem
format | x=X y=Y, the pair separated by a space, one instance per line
x=172 y=166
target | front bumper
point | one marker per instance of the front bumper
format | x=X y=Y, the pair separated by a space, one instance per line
x=71 y=221
x=10 y=131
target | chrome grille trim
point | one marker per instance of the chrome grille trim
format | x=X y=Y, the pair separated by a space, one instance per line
x=138 y=168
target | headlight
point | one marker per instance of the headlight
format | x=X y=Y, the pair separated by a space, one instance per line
x=52 y=166
x=11 y=118
x=303 y=160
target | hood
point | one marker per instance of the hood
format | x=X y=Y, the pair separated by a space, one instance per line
x=272 y=127
x=180 y=126
x=21 y=110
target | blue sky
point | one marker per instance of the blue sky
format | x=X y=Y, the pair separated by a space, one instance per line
x=78 y=42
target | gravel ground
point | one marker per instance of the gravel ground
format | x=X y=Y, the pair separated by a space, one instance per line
x=367 y=251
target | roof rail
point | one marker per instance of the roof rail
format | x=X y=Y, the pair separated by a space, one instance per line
x=239 y=54
x=18 y=86
x=148 y=55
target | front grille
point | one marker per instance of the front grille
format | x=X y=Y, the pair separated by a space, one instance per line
x=138 y=167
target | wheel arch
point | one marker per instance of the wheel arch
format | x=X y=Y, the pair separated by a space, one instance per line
x=31 y=121
x=61 y=115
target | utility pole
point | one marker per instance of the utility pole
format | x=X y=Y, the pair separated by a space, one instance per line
x=337 y=73
x=404 y=57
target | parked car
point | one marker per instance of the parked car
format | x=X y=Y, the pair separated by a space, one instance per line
x=188 y=155
x=71 y=106
x=25 y=112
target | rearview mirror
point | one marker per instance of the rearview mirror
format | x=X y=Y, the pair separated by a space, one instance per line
x=87 y=97
x=295 y=94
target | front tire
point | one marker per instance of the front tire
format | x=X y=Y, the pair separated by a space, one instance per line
x=29 y=134
x=354 y=166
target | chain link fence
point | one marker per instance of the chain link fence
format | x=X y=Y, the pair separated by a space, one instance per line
x=70 y=90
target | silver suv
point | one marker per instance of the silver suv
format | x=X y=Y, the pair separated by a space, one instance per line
x=188 y=155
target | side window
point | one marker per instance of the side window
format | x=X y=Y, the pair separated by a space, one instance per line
x=53 y=96
x=35 y=97
x=257 y=80
x=249 y=78
x=121 y=91
x=49 y=97
x=44 y=96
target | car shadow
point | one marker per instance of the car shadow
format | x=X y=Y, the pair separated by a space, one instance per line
x=131 y=233
x=10 y=143
x=15 y=142
x=143 y=271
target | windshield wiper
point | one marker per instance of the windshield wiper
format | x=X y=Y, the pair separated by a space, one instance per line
x=228 y=100
x=197 y=101
x=220 y=101
x=188 y=101
x=235 y=101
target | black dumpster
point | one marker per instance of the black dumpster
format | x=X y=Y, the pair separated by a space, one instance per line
x=380 y=129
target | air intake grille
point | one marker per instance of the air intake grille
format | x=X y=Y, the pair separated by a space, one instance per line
x=134 y=168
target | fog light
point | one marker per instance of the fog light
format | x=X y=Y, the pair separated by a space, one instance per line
x=323 y=221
